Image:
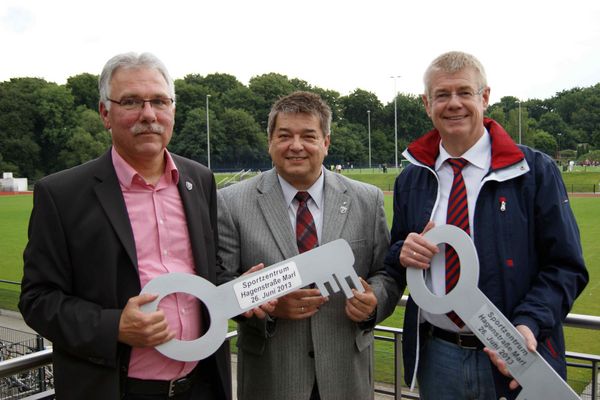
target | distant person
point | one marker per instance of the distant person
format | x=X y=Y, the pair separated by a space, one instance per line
x=338 y=168
x=310 y=346
x=100 y=231
x=512 y=201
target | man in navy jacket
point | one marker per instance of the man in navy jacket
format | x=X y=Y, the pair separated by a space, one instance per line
x=527 y=239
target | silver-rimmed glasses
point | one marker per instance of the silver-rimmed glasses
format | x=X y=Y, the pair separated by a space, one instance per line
x=137 y=103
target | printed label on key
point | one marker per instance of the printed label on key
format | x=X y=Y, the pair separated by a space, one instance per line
x=269 y=284
x=501 y=338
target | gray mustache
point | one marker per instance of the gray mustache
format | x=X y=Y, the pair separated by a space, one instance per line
x=154 y=128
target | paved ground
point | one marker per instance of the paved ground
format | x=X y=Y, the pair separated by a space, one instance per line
x=13 y=320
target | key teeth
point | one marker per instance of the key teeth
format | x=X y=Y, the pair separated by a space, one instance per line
x=322 y=288
x=344 y=285
x=357 y=285
x=334 y=284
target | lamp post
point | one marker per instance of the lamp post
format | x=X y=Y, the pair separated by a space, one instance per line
x=395 y=120
x=207 y=132
x=558 y=153
x=519 y=120
x=369 y=129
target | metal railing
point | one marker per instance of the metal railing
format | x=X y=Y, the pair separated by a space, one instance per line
x=383 y=334
x=237 y=177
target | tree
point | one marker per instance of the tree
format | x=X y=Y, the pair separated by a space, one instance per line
x=191 y=139
x=413 y=121
x=347 y=144
x=536 y=108
x=356 y=105
x=497 y=114
x=545 y=142
x=22 y=122
x=246 y=142
x=511 y=125
x=80 y=147
x=56 y=110
x=508 y=103
x=218 y=83
x=190 y=95
x=84 y=88
x=267 y=88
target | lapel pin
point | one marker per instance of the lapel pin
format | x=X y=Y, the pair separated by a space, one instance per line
x=343 y=209
x=188 y=185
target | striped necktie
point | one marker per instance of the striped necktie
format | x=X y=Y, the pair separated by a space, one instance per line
x=306 y=232
x=458 y=215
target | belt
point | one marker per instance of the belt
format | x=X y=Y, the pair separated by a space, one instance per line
x=170 y=388
x=464 y=340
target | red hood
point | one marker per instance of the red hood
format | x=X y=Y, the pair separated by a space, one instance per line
x=504 y=150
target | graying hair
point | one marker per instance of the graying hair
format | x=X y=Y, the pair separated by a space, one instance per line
x=131 y=60
x=452 y=62
x=301 y=102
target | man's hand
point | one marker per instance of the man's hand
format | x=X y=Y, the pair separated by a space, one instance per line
x=139 y=329
x=299 y=304
x=264 y=309
x=531 y=344
x=362 y=305
x=416 y=251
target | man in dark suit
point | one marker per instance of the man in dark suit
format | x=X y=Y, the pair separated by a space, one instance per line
x=100 y=231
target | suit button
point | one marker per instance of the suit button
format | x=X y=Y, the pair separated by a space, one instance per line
x=311 y=354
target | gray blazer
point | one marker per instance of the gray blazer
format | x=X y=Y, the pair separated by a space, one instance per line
x=281 y=359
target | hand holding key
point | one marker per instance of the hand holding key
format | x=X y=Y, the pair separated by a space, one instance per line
x=299 y=304
x=329 y=267
x=536 y=376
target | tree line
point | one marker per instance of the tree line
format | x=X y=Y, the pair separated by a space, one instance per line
x=46 y=127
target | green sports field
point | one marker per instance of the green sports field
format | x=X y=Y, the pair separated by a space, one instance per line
x=15 y=210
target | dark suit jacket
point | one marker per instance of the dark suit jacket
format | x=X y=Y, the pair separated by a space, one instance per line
x=81 y=268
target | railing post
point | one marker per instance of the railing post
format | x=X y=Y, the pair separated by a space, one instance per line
x=594 y=380
x=397 y=366
x=39 y=344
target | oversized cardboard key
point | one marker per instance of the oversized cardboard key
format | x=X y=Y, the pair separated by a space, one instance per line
x=534 y=374
x=330 y=264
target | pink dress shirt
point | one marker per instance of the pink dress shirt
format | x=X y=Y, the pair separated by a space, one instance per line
x=162 y=244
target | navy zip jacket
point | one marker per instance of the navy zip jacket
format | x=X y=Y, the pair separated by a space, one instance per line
x=527 y=240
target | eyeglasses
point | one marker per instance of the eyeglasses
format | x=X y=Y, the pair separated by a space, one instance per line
x=136 y=103
x=463 y=95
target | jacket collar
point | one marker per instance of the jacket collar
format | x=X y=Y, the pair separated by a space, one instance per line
x=504 y=150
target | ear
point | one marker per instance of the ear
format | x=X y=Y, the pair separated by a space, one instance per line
x=426 y=104
x=485 y=96
x=104 y=114
x=327 y=142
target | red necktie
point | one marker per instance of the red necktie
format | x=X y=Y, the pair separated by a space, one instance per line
x=458 y=215
x=306 y=232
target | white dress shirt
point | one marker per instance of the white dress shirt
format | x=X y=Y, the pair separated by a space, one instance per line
x=479 y=157
x=315 y=203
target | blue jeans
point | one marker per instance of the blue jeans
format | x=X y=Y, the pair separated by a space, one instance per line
x=450 y=372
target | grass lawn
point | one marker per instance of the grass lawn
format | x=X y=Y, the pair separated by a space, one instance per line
x=15 y=210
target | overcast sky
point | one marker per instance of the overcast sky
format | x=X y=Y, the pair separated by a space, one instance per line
x=530 y=48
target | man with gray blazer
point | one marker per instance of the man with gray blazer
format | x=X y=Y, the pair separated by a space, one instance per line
x=309 y=347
